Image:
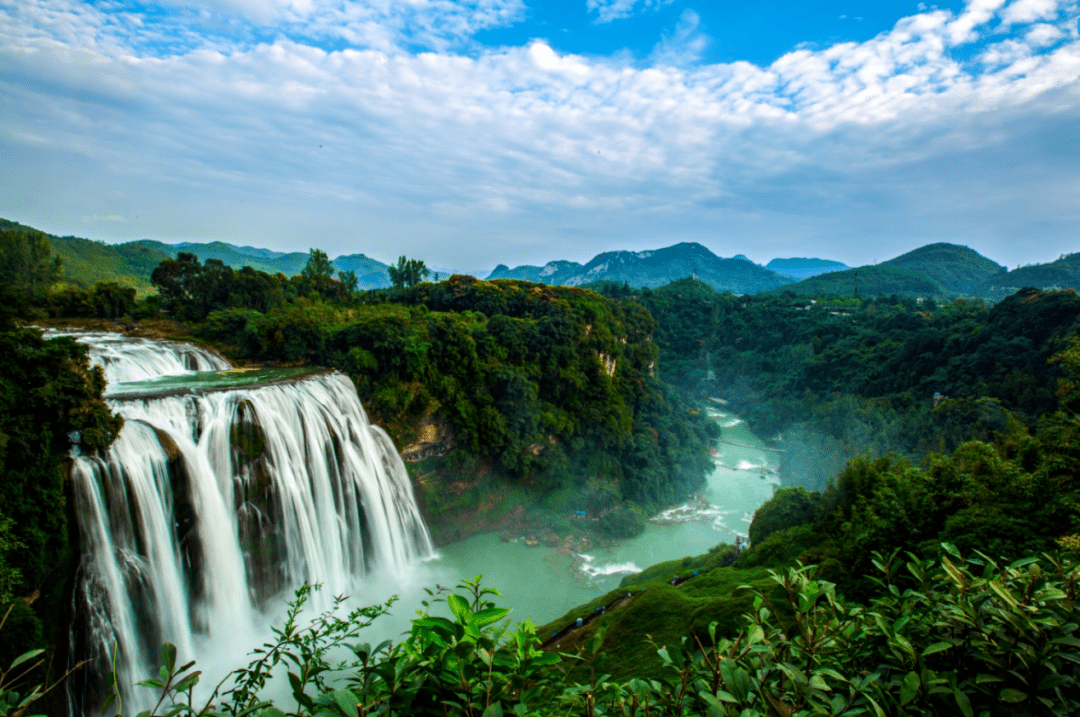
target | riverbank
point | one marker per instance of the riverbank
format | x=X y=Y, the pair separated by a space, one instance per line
x=545 y=580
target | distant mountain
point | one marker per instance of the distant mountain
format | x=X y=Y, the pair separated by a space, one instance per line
x=288 y=264
x=556 y=273
x=933 y=270
x=370 y=272
x=800 y=268
x=245 y=250
x=1061 y=274
x=653 y=269
x=958 y=270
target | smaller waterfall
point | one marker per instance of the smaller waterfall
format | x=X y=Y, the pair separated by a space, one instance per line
x=213 y=504
x=131 y=359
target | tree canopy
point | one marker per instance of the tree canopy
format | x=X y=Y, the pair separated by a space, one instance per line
x=27 y=262
x=407 y=273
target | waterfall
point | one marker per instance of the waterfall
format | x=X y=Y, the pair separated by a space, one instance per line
x=213 y=505
x=135 y=359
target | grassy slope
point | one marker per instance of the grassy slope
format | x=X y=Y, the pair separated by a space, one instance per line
x=663 y=612
x=86 y=261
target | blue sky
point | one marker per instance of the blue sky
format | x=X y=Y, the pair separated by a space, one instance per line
x=508 y=131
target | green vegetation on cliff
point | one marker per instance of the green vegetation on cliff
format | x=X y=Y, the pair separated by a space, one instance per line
x=50 y=402
x=505 y=382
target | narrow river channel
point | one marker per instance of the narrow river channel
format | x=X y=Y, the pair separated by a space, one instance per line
x=541 y=583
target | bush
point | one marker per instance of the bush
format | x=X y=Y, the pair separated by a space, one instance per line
x=788 y=508
x=626 y=521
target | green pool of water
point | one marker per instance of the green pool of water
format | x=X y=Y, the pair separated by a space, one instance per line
x=207 y=381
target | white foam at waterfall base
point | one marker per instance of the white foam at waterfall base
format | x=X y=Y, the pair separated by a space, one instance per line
x=160 y=525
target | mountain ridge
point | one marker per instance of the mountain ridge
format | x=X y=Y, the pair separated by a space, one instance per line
x=651 y=269
x=939 y=269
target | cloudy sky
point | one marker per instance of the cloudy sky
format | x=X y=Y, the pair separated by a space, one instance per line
x=475 y=132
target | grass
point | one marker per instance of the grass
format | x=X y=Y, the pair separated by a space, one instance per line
x=658 y=613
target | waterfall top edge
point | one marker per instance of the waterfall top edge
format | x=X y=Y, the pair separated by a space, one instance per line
x=168 y=388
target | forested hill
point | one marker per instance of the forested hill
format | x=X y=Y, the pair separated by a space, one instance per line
x=86 y=262
x=653 y=269
x=1061 y=274
x=237 y=257
x=940 y=270
x=836 y=378
x=958 y=270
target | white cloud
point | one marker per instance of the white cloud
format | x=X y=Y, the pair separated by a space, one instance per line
x=977 y=12
x=684 y=46
x=1023 y=11
x=609 y=10
x=1043 y=35
x=526 y=145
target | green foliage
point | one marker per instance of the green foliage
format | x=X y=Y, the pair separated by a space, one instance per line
x=349 y=282
x=938 y=637
x=50 y=402
x=625 y=521
x=528 y=376
x=787 y=508
x=9 y=576
x=27 y=262
x=840 y=377
x=968 y=638
x=107 y=300
x=1061 y=274
x=468 y=665
x=86 y=262
x=319 y=270
x=408 y=273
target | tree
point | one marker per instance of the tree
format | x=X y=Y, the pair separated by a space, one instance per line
x=27 y=261
x=319 y=270
x=173 y=279
x=349 y=282
x=408 y=272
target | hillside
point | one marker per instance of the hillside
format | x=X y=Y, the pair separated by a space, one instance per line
x=958 y=270
x=803 y=268
x=653 y=269
x=867 y=281
x=370 y=272
x=131 y=264
x=236 y=257
x=1061 y=274
x=943 y=270
x=555 y=273
x=86 y=262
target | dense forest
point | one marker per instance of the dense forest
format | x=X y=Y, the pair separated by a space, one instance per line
x=922 y=561
x=832 y=378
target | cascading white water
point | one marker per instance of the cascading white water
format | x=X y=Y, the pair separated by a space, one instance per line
x=135 y=359
x=211 y=504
